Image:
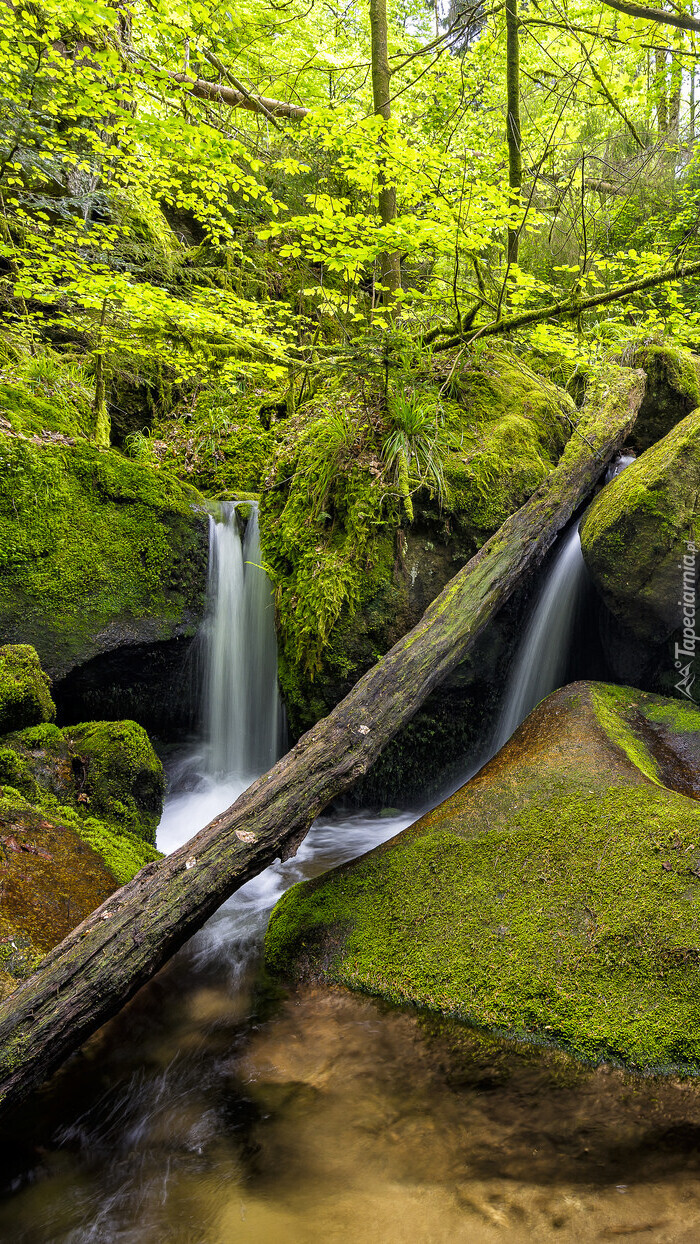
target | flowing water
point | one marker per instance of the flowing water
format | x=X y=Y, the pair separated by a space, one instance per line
x=215 y=1108
x=242 y=702
x=543 y=656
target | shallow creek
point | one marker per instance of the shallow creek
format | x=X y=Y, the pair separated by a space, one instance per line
x=210 y=1110
x=217 y=1108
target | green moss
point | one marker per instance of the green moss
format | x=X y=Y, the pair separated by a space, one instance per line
x=598 y=968
x=91 y=541
x=679 y=717
x=106 y=771
x=123 y=852
x=48 y=737
x=635 y=533
x=333 y=510
x=16 y=773
x=25 y=698
x=223 y=443
x=46 y=395
x=673 y=390
x=57 y=867
x=609 y=704
x=555 y=897
x=123 y=779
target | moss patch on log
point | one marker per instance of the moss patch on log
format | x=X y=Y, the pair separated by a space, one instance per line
x=556 y=897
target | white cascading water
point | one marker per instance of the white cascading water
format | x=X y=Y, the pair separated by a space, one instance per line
x=241 y=707
x=242 y=703
x=542 y=658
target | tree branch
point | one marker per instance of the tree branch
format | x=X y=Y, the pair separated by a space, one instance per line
x=216 y=93
x=573 y=305
x=680 y=20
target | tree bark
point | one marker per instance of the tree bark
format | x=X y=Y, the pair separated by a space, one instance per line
x=680 y=20
x=660 y=91
x=515 y=157
x=102 y=963
x=390 y=261
x=218 y=94
x=574 y=306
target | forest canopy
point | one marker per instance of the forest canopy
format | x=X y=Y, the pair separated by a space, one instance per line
x=188 y=191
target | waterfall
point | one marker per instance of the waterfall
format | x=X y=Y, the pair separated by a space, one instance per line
x=241 y=704
x=543 y=656
x=542 y=659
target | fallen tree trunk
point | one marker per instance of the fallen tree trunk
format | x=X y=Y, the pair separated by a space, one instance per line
x=101 y=964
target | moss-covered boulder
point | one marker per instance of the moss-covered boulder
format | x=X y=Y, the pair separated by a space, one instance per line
x=638 y=541
x=96 y=552
x=78 y=813
x=354 y=566
x=25 y=696
x=56 y=866
x=672 y=391
x=122 y=778
x=555 y=897
x=103 y=769
x=50 y=880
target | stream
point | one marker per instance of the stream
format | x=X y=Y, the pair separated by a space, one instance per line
x=217 y=1106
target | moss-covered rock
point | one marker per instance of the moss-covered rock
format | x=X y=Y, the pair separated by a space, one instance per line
x=638 y=539
x=101 y=769
x=351 y=576
x=122 y=778
x=672 y=391
x=96 y=552
x=25 y=696
x=78 y=813
x=555 y=897
x=48 y=399
x=223 y=442
x=55 y=868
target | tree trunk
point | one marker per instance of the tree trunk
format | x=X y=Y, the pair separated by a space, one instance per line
x=515 y=157
x=99 y=405
x=675 y=90
x=101 y=964
x=660 y=91
x=390 y=261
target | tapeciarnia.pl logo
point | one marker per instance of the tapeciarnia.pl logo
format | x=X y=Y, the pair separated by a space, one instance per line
x=685 y=652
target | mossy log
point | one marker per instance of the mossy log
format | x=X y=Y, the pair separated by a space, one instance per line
x=101 y=964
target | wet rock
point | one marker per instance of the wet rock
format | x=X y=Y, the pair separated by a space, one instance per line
x=638 y=540
x=672 y=391
x=50 y=880
x=555 y=897
x=25 y=696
